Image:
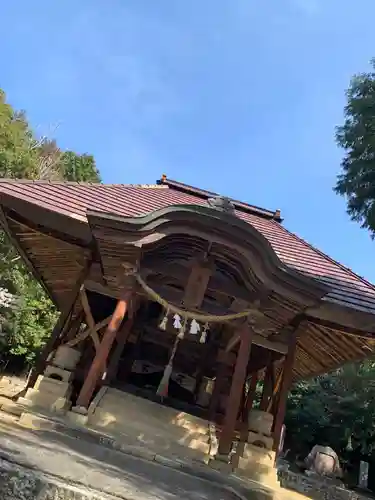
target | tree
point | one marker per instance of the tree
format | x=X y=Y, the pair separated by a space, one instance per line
x=18 y=159
x=336 y=409
x=80 y=168
x=25 y=327
x=357 y=137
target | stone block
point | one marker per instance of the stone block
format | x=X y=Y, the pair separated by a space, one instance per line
x=52 y=386
x=29 y=421
x=80 y=409
x=61 y=405
x=56 y=373
x=260 y=439
x=12 y=408
x=77 y=418
x=66 y=358
x=36 y=398
x=261 y=422
x=258 y=464
x=205 y=392
x=49 y=394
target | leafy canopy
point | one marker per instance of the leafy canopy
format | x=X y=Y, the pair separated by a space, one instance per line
x=357 y=137
x=26 y=325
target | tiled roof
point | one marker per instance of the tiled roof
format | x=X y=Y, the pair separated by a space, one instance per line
x=74 y=199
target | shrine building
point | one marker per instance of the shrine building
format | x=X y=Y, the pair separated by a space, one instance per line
x=184 y=316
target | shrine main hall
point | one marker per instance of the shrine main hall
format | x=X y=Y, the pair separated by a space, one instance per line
x=185 y=317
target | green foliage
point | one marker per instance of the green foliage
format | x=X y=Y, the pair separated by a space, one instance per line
x=357 y=137
x=336 y=409
x=17 y=156
x=24 y=328
x=29 y=324
x=80 y=168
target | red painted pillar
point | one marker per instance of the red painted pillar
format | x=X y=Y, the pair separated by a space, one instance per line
x=100 y=359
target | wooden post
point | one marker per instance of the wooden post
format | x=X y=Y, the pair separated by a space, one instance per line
x=286 y=382
x=122 y=338
x=218 y=387
x=267 y=387
x=234 y=399
x=100 y=359
x=248 y=406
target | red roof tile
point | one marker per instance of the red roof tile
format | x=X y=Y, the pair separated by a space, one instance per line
x=74 y=199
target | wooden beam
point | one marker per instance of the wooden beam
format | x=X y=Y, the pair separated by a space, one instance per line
x=93 y=286
x=238 y=381
x=219 y=285
x=196 y=286
x=259 y=341
x=366 y=331
x=98 y=365
x=83 y=335
x=89 y=318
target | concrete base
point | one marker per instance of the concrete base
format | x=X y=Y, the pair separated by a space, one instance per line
x=150 y=423
x=257 y=464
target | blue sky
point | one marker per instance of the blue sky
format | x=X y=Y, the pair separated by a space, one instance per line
x=235 y=96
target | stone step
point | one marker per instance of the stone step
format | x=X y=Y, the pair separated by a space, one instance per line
x=11 y=407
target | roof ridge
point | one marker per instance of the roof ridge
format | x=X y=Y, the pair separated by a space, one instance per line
x=327 y=257
x=204 y=194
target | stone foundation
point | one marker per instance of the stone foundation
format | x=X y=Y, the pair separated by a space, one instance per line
x=148 y=423
x=52 y=390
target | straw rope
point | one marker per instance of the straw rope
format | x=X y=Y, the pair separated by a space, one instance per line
x=204 y=318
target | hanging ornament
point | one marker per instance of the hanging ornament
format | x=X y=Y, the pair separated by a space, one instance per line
x=203 y=338
x=194 y=327
x=164 y=322
x=162 y=390
x=181 y=333
x=177 y=322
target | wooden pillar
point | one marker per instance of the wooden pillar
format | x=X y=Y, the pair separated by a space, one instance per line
x=221 y=372
x=286 y=382
x=248 y=406
x=122 y=338
x=238 y=381
x=208 y=353
x=267 y=387
x=98 y=365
